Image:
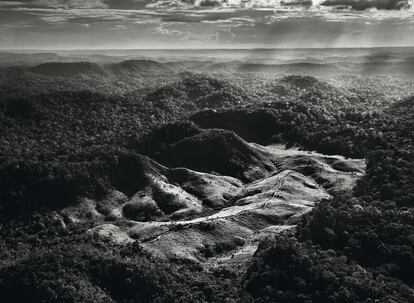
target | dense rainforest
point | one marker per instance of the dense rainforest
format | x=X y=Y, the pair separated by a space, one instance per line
x=82 y=134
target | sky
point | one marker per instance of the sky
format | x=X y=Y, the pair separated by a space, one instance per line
x=167 y=24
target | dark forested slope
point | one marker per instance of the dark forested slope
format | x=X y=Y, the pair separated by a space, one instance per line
x=72 y=139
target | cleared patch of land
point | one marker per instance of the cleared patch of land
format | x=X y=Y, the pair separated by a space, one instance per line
x=205 y=217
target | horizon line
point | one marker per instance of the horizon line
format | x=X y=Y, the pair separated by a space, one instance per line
x=185 y=49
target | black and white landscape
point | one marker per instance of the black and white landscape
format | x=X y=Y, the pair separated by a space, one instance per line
x=235 y=159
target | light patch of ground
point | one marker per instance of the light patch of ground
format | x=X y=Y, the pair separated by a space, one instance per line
x=173 y=200
x=112 y=233
x=213 y=190
x=262 y=208
x=335 y=173
x=85 y=210
x=286 y=187
x=239 y=256
x=217 y=219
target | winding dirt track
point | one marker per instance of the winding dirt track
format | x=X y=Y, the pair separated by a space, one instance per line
x=224 y=213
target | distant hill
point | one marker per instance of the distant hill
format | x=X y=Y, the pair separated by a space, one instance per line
x=308 y=89
x=405 y=67
x=252 y=125
x=67 y=69
x=303 y=67
x=198 y=91
x=302 y=82
x=11 y=59
x=138 y=66
x=298 y=67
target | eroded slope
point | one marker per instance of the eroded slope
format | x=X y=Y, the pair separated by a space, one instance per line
x=202 y=216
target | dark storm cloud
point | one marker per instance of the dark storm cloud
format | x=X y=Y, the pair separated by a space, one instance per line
x=366 y=4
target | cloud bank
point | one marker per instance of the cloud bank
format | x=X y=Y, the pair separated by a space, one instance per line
x=140 y=4
x=205 y=23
